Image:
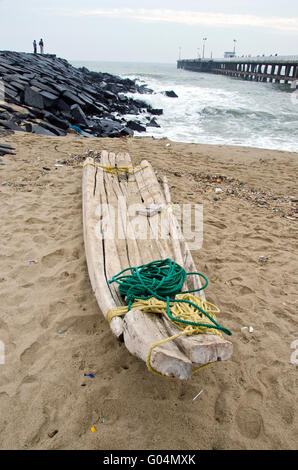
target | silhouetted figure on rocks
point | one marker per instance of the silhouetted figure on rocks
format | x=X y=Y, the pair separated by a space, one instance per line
x=35 y=46
x=41 y=45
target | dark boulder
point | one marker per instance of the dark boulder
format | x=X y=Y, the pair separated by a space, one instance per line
x=70 y=97
x=87 y=99
x=153 y=123
x=107 y=97
x=6 y=150
x=11 y=125
x=170 y=94
x=125 y=131
x=141 y=104
x=55 y=130
x=28 y=76
x=135 y=126
x=89 y=89
x=110 y=128
x=102 y=107
x=55 y=120
x=123 y=98
x=33 y=99
x=60 y=88
x=18 y=86
x=78 y=115
x=41 y=130
x=37 y=113
x=49 y=96
x=7 y=108
x=49 y=99
x=62 y=106
x=22 y=116
x=4 y=116
x=28 y=126
x=132 y=109
x=105 y=127
x=143 y=89
x=42 y=86
x=5 y=146
x=156 y=111
x=10 y=94
x=36 y=89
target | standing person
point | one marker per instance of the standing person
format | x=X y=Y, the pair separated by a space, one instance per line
x=35 y=46
x=41 y=46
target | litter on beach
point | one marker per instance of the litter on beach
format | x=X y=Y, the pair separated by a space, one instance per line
x=247 y=328
x=197 y=396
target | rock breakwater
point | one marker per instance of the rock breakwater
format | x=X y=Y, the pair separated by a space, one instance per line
x=46 y=95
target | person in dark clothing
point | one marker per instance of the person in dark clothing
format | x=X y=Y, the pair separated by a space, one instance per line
x=41 y=45
x=35 y=46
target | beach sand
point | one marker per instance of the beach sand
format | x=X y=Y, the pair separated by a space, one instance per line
x=54 y=332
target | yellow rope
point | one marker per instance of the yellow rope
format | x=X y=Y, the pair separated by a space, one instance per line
x=183 y=311
x=114 y=170
x=171 y=338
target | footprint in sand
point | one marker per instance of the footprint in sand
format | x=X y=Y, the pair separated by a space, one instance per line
x=245 y=290
x=223 y=412
x=272 y=327
x=76 y=253
x=248 y=417
x=28 y=356
x=216 y=224
x=53 y=258
x=51 y=312
x=35 y=221
x=40 y=239
x=80 y=324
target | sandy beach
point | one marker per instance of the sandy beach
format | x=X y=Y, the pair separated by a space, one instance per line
x=54 y=333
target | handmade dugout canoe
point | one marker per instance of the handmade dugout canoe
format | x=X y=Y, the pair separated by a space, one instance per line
x=110 y=220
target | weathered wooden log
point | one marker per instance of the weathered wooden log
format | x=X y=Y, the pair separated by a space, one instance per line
x=134 y=199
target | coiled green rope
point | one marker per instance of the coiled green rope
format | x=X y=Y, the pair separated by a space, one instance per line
x=162 y=279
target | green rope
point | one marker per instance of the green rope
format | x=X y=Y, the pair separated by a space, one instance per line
x=162 y=279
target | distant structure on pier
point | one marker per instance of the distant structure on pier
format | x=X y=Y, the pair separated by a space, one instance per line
x=229 y=55
x=277 y=69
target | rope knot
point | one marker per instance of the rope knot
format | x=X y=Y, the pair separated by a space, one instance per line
x=163 y=280
x=156 y=288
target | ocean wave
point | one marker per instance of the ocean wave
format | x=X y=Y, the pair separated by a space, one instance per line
x=238 y=113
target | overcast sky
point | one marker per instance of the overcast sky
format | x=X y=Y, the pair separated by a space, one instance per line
x=149 y=30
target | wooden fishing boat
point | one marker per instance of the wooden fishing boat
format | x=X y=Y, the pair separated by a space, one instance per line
x=111 y=186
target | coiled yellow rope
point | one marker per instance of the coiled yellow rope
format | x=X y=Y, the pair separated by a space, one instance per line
x=182 y=311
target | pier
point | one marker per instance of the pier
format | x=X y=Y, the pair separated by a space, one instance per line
x=277 y=69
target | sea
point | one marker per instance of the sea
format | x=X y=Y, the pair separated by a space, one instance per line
x=213 y=109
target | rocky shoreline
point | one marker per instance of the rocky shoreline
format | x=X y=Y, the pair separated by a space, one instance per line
x=46 y=95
